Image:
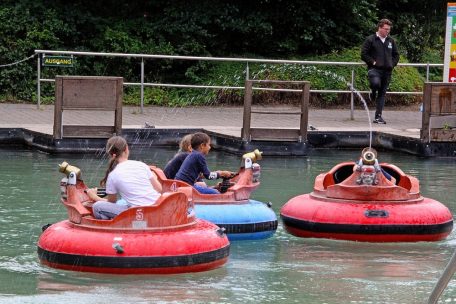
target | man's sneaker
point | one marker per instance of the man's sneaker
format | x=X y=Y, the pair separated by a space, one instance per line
x=379 y=120
x=372 y=96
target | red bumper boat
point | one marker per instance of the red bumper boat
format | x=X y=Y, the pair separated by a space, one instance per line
x=160 y=239
x=367 y=201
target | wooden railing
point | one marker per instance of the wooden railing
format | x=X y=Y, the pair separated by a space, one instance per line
x=439 y=112
x=298 y=134
x=87 y=93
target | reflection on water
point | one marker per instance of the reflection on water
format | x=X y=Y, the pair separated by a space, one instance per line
x=280 y=269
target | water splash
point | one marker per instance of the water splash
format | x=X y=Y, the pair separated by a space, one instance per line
x=352 y=88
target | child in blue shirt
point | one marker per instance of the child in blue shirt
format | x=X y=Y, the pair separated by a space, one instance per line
x=195 y=165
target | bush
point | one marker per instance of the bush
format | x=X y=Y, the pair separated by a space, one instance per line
x=321 y=77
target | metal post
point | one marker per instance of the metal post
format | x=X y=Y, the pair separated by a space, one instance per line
x=142 y=85
x=427 y=72
x=443 y=281
x=38 y=83
x=352 y=97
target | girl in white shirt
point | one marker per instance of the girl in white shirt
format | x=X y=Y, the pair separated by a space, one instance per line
x=132 y=180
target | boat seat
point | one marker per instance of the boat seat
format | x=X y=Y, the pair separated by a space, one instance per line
x=168 y=185
x=170 y=210
x=159 y=172
x=343 y=173
x=393 y=173
x=402 y=180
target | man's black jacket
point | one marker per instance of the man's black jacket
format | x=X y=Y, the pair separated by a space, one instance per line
x=385 y=55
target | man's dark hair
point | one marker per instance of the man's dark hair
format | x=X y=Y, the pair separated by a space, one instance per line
x=198 y=139
x=382 y=22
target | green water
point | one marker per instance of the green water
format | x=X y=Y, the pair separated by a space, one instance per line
x=282 y=269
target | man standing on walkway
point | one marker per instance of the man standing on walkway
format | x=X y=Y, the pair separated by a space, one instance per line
x=380 y=53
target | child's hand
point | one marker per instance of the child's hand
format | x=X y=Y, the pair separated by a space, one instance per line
x=225 y=174
x=92 y=193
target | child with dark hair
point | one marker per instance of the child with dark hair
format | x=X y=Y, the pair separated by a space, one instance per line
x=195 y=165
x=132 y=180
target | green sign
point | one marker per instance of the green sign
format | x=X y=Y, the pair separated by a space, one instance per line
x=60 y=61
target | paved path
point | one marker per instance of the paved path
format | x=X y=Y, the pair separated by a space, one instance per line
x=225 y=120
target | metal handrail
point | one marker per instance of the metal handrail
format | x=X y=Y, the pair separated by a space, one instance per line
x=195 y=86
x=233 y=59
x=143 y=84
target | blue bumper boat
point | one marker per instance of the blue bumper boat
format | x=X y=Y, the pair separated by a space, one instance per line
x=241 y=217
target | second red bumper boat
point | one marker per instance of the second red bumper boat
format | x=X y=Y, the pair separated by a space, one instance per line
x=367 y=201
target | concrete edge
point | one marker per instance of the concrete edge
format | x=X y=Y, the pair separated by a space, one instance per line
x=231 y=144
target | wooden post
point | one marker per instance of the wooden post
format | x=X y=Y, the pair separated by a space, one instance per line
x=247 y=110
x=439 y=112
x=426 y=115
x=304 y=119
x=58 y=108
x=118 y=111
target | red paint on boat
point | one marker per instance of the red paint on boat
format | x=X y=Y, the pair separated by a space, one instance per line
x=342 y=207
x=159 y=239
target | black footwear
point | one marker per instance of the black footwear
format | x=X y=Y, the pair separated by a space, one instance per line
x=379 y=120
x=372 y=95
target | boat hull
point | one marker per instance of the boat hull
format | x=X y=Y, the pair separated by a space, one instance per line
x=68 y=246
x=242 y=221
x=369 y=221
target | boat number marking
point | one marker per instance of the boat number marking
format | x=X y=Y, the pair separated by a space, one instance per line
x=139 y=224
x=376 y=213
x=139 y=215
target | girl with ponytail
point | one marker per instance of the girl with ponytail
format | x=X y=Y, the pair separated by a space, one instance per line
x=132 y=180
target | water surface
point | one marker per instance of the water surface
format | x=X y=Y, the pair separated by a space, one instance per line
x=282 y=269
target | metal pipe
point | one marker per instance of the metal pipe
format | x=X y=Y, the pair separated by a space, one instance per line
x=443 y=281
x=170 y=85
x=142 y=85
x=427 y=72
x=223 y=58
x=38 y=83
x=352 y=97
x=247 y=60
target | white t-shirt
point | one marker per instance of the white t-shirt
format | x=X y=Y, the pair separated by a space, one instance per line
x=381 y=38
x=131 y=180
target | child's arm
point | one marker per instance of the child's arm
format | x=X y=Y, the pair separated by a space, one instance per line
x=92 y=194
x=212 y=174
x=155 y=183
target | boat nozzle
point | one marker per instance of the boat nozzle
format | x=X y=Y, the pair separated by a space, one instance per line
x=254 y=155
x=118 y=248
x=221 y=231
x=66 y=169
x=368 y=156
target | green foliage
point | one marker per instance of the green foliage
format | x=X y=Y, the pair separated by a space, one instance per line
x=22 y=30
x=152 y=96
x=302 y=29
x=433 y=56
x=417 y=25
x=321 y=77
x=170 y=97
